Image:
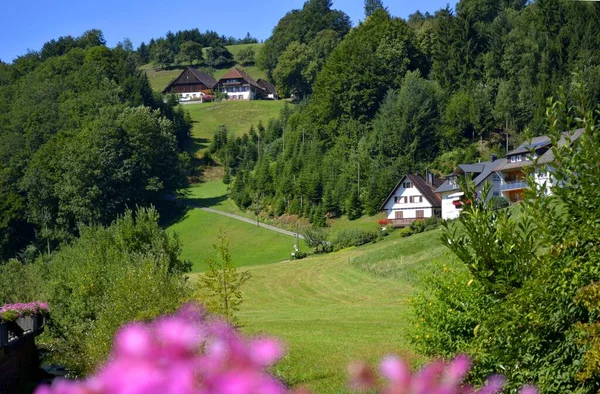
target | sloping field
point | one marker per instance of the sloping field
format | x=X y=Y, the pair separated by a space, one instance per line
x=238 y=116
x=331 y=312
x=249 y=244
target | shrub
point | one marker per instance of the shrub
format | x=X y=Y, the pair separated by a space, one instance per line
x=428 y=224
x=534 y=276
x=353 y=237
x=109 y=276
x=499 y=202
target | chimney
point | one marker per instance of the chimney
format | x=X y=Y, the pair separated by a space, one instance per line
x=430 y=178
x=494 y=157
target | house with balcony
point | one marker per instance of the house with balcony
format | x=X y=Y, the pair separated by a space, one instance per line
x=192 y=85
x=535 y=157
x=238 y=85
x=412 y=199
x=452 y=197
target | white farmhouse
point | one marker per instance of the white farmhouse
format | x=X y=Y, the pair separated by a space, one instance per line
x=413 y=198
x=238 y=85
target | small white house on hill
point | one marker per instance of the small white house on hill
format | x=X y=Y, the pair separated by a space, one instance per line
x=413 y=198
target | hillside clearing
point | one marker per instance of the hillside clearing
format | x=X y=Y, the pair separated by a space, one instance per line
x=329 y=312
x=237 y=116
x=198 y=231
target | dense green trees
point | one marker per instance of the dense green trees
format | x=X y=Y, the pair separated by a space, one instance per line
x=392 y=97
x=246 y=56
x=107 y=277
x=82 y=137
x=191 y=52
x=218 y=56
x=301 y=26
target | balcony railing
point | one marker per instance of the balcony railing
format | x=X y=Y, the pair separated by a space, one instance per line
x=513 y=185
x=403 y=222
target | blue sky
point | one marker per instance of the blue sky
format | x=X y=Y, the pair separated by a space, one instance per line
x=28 y=25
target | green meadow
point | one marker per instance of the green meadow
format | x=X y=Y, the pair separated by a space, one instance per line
x=333 y=309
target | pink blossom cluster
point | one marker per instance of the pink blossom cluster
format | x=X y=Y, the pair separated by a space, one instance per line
x=25 y=309
x=435 y=378
x=190 y=352
x=187 y=352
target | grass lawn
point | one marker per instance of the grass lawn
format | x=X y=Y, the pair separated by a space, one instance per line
x=198 y=231
x=238 y=116
x=330 y=311
x=213 y=194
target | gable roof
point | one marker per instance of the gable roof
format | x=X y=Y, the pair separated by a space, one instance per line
x=268 y=86
x=480 y=171
x=534 y=143
x=236 y=73
x=546 y=158
x=426 y=190
x=204 y=78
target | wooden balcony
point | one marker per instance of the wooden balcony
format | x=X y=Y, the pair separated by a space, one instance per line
x=403 y=222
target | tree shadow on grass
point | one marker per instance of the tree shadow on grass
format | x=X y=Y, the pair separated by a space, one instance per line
x=207 y=202
x=172 y=212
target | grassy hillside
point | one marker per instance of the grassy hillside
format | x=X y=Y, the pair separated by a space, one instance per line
x=249 y=244
x=333 y=309
x=238 y=116
x=159 y=79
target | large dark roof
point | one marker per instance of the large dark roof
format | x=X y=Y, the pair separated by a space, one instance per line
x=236 y=73
x=479 y=172
x=206 y=79
x=425 y=188
x=534 y=143
x=268 y=86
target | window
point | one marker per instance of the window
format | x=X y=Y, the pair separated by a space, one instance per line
x=497 y=178
x=414 y=199
x=395 y=199
x=405 y=200
x=516 y=158
x=398 y=215
x=496 y=194
x=407 y=185
x=420 y=214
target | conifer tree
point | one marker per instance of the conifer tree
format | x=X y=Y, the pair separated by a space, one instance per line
x=222 y=282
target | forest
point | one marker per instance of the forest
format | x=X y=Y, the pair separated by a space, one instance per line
x=392 y=96
x=82 y=137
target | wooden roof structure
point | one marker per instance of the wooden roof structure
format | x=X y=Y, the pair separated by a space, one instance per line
x=199 y=76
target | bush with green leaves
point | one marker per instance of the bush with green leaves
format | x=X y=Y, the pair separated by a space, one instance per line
x=107 y=277
x=531 y=306
x=353 y=237
x=420 y=226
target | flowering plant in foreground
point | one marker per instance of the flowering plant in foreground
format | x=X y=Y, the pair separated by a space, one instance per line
x=12 y=311
x=192 y=353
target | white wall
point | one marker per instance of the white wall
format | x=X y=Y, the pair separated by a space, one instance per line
x=449 y=211
x=245 y=95
x=409 y=209
x=190 y=96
